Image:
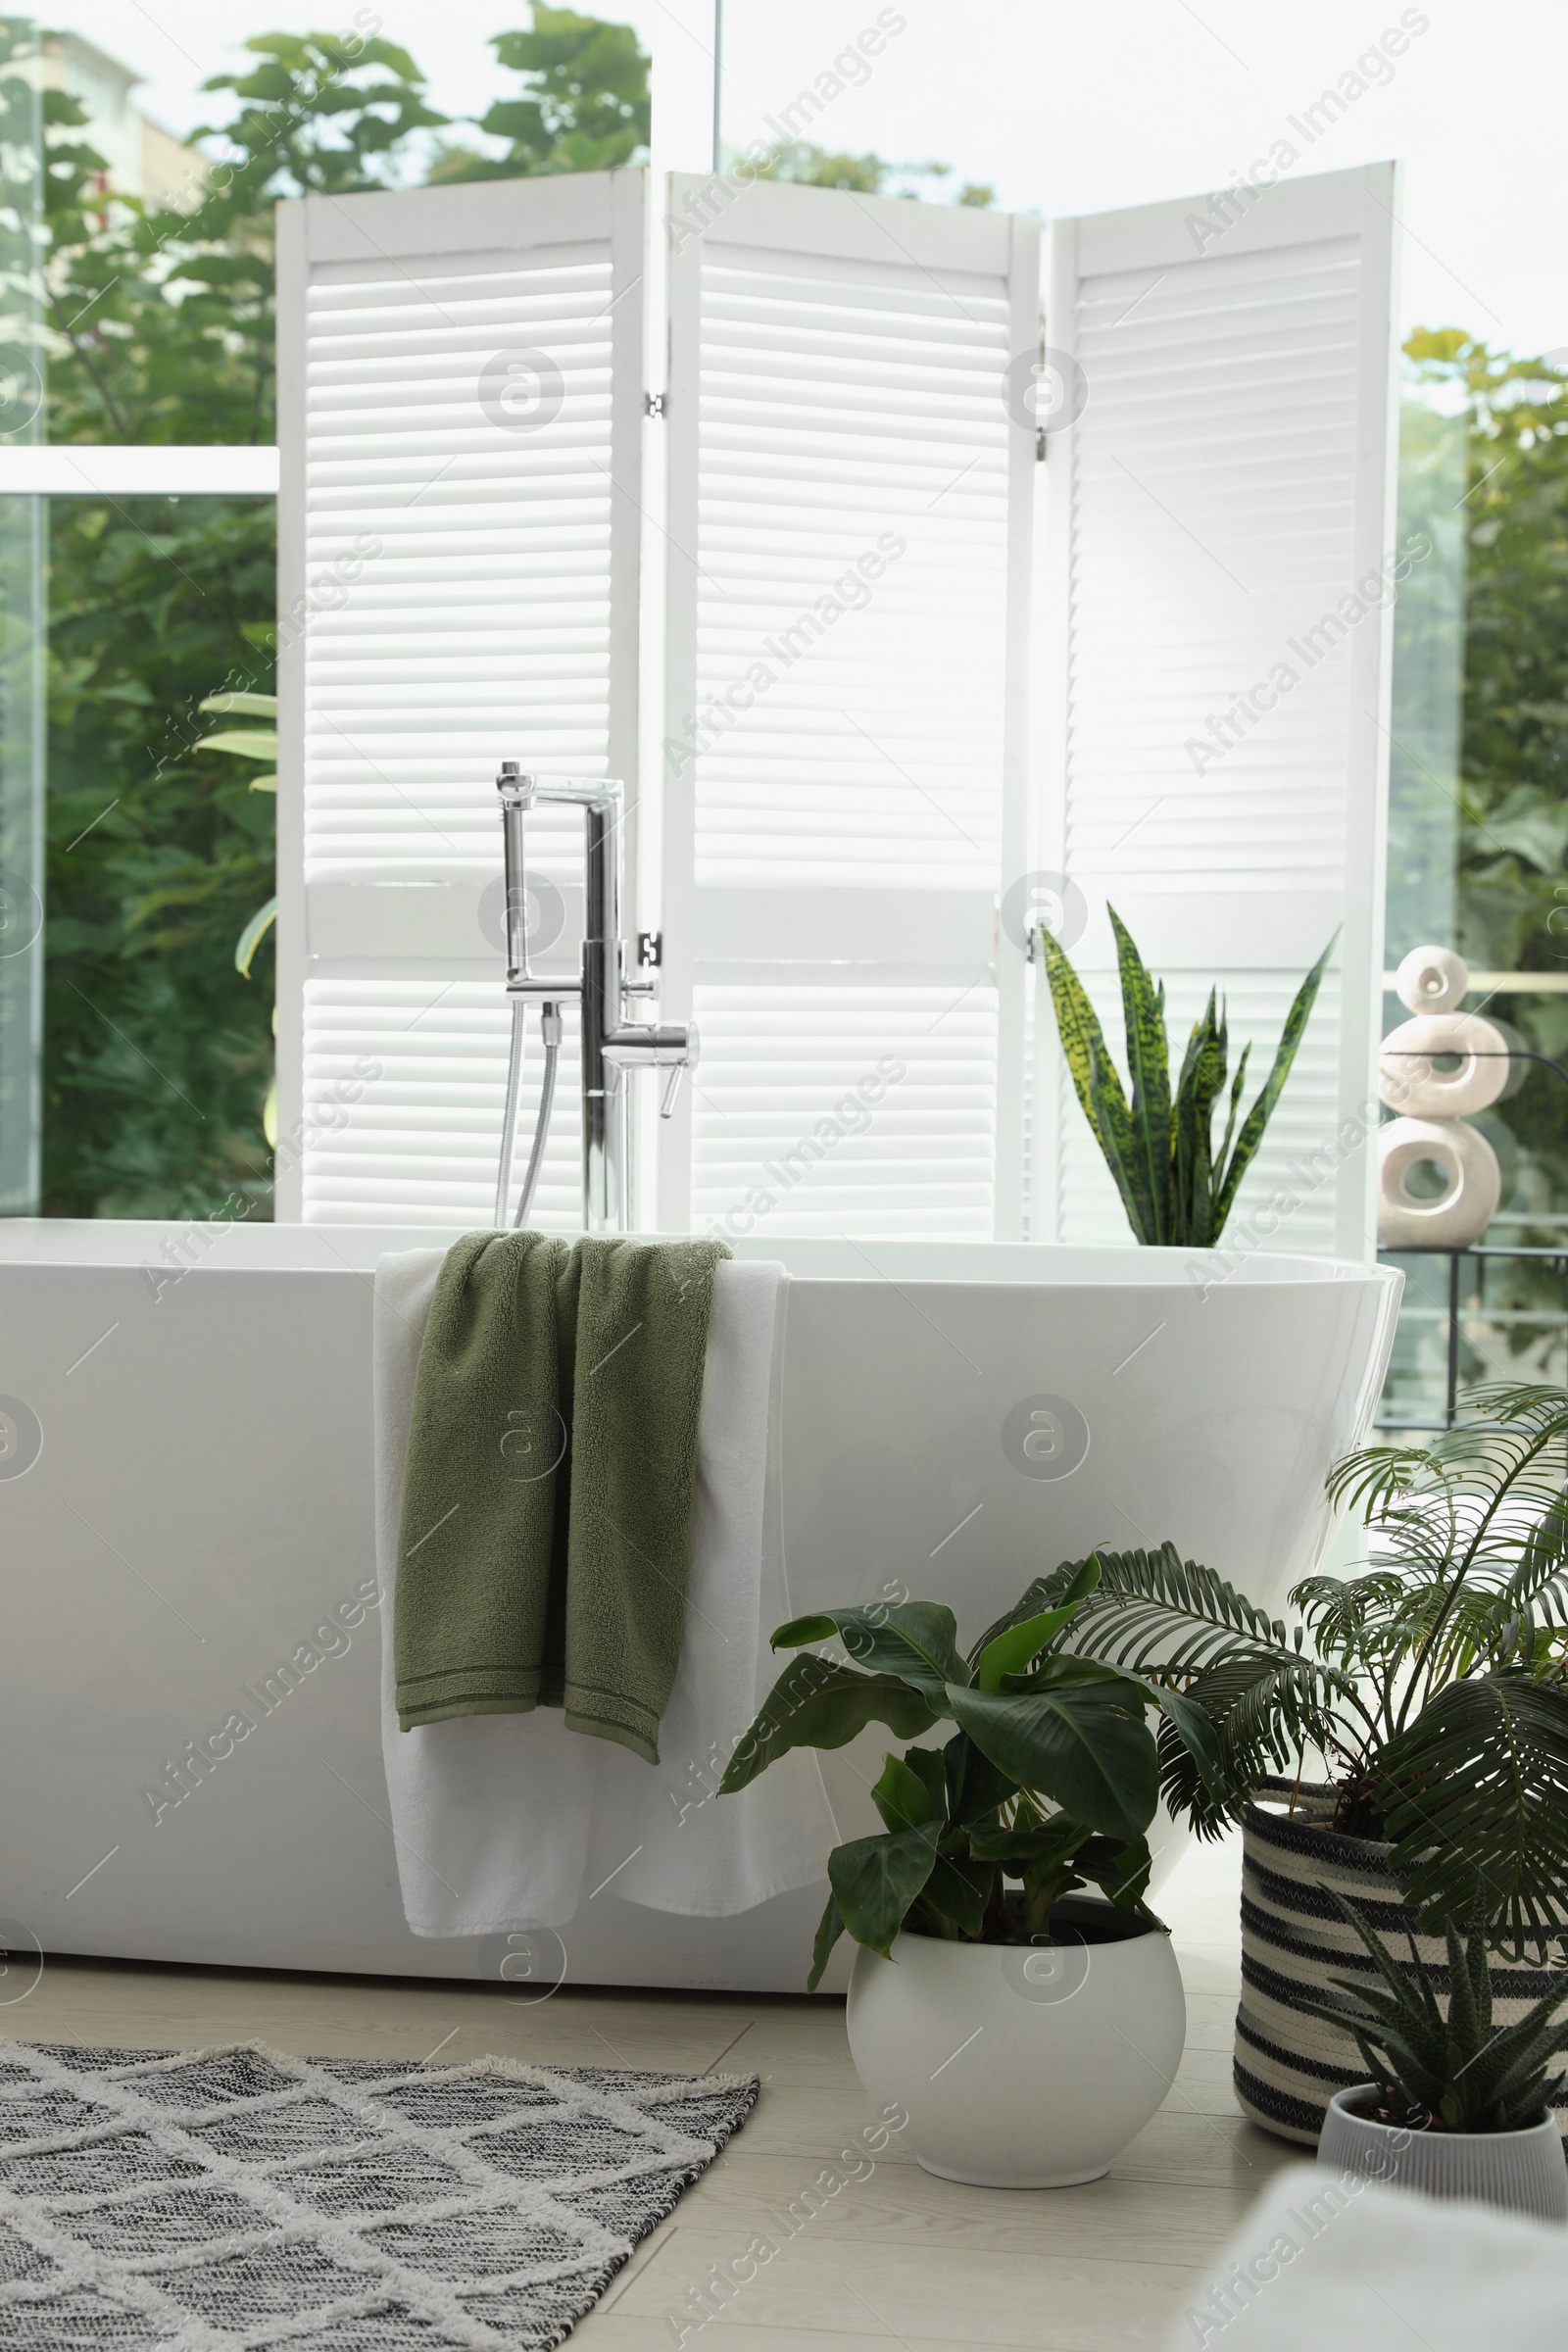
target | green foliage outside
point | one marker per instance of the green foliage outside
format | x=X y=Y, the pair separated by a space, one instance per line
x=1513 y=840
x=805 y=166
x=1514 y=746
x=585 y=109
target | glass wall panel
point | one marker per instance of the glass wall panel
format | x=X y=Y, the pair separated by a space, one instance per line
x=1478 y=834
x=22 y=640
x=1428 y=682
x=158 y=1046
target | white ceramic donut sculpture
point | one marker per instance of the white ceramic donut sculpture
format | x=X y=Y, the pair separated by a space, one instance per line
x=1407 y=1081
x=1432 y=980
x=1458 y=1215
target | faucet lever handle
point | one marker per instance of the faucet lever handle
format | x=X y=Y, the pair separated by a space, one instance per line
x=666 y=1108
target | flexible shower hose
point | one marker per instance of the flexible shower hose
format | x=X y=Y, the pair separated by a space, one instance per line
x=551 y=1027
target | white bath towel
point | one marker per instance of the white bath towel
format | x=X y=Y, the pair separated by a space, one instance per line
x=506 y=1822
x=668 y=1839
x=491 y=1813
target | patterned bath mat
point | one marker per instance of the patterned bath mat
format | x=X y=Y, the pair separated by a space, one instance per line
x=197 y=2200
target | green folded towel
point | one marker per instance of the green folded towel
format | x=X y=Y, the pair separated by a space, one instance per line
x=546 y=1508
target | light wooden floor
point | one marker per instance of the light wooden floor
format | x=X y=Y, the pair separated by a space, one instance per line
x=898 y=2258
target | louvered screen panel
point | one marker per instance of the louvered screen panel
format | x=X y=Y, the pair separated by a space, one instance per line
x=409 y=1087
x=851 y=417
x=836 y=1110
x=460 y=381
x=1227 y=484
x=844 y=740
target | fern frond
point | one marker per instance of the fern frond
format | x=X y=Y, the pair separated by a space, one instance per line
x=1157 y=1614
x=1475 y=1793
x=1265 y=1712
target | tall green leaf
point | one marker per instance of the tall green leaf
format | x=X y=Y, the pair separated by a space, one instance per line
x=1232 y=1114
x=1119 y=1143
x=1149 y=1067
x=1263 y=1111
x=1197 y=1089
x=1094 y=1074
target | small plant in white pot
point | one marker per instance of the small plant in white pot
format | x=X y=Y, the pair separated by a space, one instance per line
x=1450 y=2106
x=1028 y=2032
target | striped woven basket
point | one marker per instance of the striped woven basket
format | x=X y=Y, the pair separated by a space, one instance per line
x=1289 y=2064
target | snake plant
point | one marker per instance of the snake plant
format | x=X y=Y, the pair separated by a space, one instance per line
x=1448 y=2073
x=1174 y=1185
x=1049 y=1773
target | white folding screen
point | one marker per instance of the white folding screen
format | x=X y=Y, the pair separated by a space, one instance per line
x=1218 y=571
x=845 y=793
x=460 y=422
x=850 y=495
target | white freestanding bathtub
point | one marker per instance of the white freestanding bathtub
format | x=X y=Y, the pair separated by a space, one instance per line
x=185 y=1499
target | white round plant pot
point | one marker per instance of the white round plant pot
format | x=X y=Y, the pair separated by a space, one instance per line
x=1520 y=2172
x=1022 y=2065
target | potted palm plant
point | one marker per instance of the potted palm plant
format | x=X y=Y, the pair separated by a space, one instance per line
x=1450 y=2106
x=1433 y=1693
x=1028 y=2030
